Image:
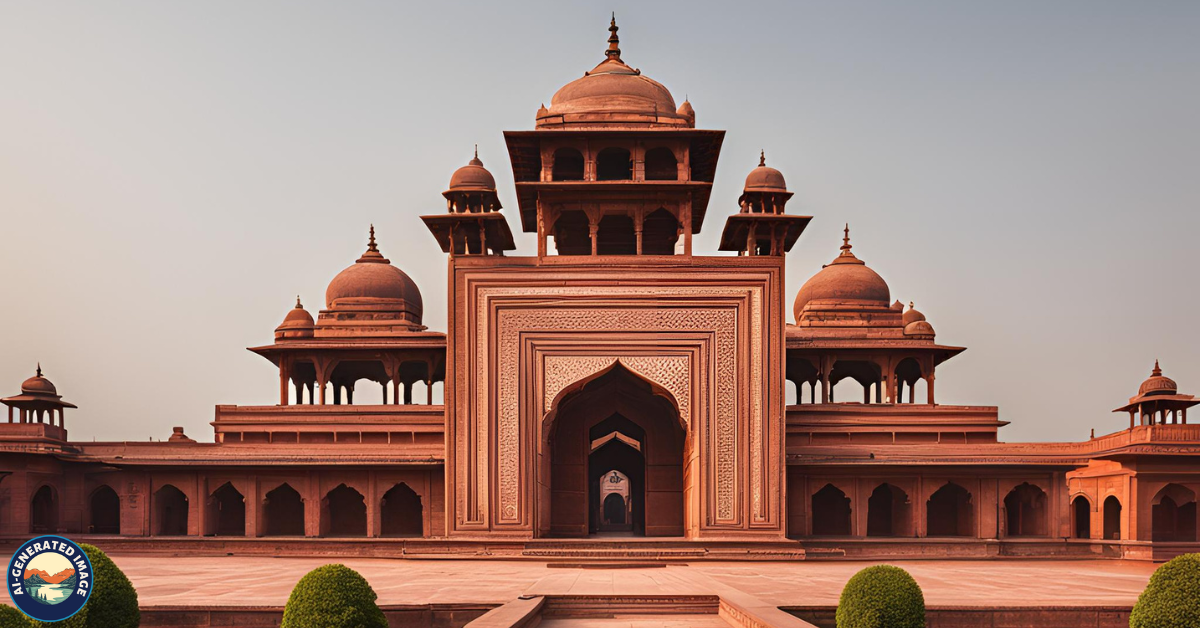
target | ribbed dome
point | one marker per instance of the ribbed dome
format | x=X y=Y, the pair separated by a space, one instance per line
x=614 y=93
x=765 y=178
x=372 y=280
x=1158 y=384
x=472 y=177
x=38 y=385
x=297 y=324
x=846 y=279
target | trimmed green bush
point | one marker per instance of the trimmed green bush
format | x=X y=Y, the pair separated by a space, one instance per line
x=13 y=618
x=1172 y=598
x=333 y=596
x=882 y=596
x=114 y=601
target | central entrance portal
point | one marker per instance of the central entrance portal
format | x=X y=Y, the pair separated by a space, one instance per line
x=615 y=450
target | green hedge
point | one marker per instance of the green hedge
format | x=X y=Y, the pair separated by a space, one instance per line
x=13 y=618
x=882 y=596
x=333 y=596
x=114 y=601
x=1172 y=598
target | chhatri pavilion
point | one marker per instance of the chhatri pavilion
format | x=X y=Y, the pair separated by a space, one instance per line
x=615 y=389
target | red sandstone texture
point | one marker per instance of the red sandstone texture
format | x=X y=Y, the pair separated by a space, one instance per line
x=615 y=347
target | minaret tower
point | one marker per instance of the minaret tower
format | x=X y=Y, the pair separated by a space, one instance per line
x=472 y=224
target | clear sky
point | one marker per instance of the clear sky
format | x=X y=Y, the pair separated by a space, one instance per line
x=172 y=174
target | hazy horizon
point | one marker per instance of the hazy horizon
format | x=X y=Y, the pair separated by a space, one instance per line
x=173 y=175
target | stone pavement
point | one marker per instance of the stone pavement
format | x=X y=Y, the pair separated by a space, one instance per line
x=242 y=581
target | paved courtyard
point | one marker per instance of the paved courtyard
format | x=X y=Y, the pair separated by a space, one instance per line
x=244 y=581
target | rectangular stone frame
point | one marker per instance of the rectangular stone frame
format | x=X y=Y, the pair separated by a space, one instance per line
x=725 y=314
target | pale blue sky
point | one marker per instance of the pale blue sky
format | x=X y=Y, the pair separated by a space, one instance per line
x=172 y=174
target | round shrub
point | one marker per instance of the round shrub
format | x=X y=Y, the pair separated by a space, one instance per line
x=882 y=596
x=1172 y=598
x=333 y=596
x=13 y=618
x=114 y=601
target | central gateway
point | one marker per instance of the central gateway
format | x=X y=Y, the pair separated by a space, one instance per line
x=615 y=383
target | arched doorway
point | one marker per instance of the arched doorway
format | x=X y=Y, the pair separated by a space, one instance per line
x=614 y=421
x=283 y=512
x=170 y=512
x=226 y=512
x=401 y=512
x=1025 y=507
x=949 y=512
x=43 y=511
x=1112 y=518
x=343 y=513
x=1081 y=512
x=889 y=512
x=830 y=512
x=104 y=510
x=616 y=511
x=1173 y=512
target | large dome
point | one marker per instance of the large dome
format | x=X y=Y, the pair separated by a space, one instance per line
x=614 y=93
x=373 y=281
x=1158 y=384
x=764 y=178
x=846 y=280
x=38 y=385
x=472 y=177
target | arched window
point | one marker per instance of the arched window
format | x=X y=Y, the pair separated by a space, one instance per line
x=1081 y=511
x=170 y=512
x=105 y=511
x=661 y=165
x=568 y=165
x=401 y=512
x=1112 y=518
x=1025 y=507
x=616 y=235
x=283 y=511
x=949 y=512
x=660 y=232
x=614 y=164
x=830 y=512
x=572 y=233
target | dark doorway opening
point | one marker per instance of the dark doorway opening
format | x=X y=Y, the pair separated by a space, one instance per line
x=1082 y=512
x=1025 y=507
x=1173 y=512
x=1112 y=518
x=344 y=513
x=949 y=512
x=170 y=512
x=283 y=512
x=105 y=508
x=613 y=421
x=43 y=511
x=227 y=512
x=401 y=512
x=830 y=512
x=889 y=512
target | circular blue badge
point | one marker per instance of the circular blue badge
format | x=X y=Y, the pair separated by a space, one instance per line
x=50 y=578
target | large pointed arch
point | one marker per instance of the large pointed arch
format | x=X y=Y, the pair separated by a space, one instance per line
x=556 y=390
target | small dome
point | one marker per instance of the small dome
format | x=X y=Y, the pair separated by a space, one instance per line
x=1158 y=384
x=297 y=324
x=372 y=280
x=846 y=279
x=38 y=385
x=765 y=178
x=472 y=177
x=614 y=93
x=919 y=328
x=912 y=315
x=686 y=110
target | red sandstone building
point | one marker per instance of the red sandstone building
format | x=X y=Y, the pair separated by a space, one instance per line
x=617 y=383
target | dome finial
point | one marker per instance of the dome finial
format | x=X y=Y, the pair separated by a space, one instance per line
x=1157 y=371
x=475 y=160
x=614 y=50
x=39 y=368
x=910 y=305
x=372 y=253
x=762 y=158
x=846 y=240
x=298 y=306
x=371 y=241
